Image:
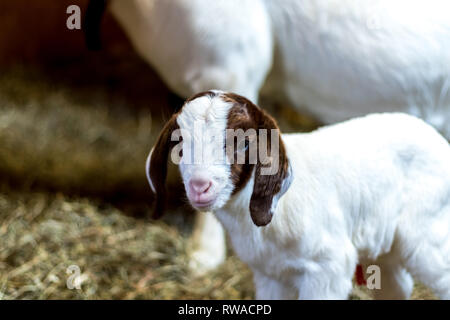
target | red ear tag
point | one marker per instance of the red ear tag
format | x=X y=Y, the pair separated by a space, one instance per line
x=359 y=275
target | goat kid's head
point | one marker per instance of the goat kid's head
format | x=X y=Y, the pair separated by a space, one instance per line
x=222 y=142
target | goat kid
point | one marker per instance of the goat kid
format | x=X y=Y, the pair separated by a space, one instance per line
x=372 y=190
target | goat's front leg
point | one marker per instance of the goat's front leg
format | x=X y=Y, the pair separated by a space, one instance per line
x=323 y=286
x=271 y=289
x=208 y=244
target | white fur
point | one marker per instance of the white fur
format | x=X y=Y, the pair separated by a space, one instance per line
x=372 y=190
x=208 y=245
x=210 y=118
x=184 y=40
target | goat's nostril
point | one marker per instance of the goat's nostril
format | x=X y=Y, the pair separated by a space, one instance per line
x=200 y=185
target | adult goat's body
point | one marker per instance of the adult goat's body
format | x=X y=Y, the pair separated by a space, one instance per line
x=335 y=59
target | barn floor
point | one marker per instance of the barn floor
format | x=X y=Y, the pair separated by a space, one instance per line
x=73 y=192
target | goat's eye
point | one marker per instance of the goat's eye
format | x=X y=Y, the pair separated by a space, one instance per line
x=242 y=145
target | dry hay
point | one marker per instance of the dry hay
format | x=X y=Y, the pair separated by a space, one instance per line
x=120 y=257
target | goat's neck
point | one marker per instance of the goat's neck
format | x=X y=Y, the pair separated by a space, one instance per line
x=142 y=20
x=237 y=210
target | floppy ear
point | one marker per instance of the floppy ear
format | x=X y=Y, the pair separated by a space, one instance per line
x=268 y=188
x=156 y=166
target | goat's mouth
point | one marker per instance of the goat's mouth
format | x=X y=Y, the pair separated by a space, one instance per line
x=202 y=205
x=202 y=201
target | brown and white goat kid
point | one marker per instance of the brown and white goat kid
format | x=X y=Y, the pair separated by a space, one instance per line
x=303 y=212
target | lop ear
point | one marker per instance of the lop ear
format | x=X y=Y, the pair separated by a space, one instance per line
x=272 y=172
x=156 y=165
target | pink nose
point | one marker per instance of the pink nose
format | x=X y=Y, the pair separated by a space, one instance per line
x=200 y=185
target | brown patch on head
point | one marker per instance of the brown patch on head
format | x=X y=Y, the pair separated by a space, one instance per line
x=245 y=115
x=208 y=93
x=239 y=118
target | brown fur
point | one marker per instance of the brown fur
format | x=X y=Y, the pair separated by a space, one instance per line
x=245 y=115
x=158 y=164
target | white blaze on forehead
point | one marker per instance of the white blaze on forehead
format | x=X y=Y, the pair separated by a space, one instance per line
x=205 y=119
x=210 y=112
x=204 y=108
